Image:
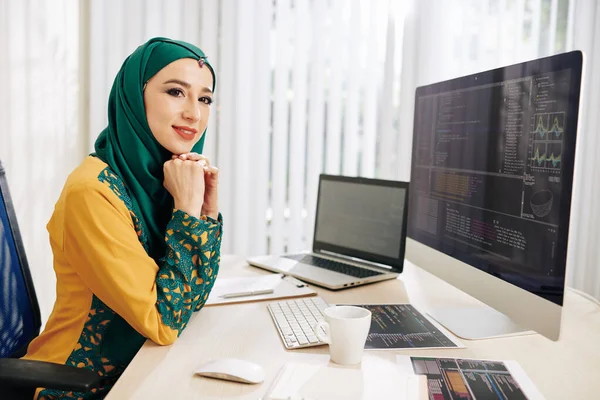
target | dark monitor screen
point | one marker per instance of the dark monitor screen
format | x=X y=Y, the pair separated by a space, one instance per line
x=363 y=218
x=492 y=170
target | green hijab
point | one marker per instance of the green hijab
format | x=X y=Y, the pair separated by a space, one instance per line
x=128 y=146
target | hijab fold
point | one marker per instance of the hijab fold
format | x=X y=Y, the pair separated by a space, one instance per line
x=127 y=144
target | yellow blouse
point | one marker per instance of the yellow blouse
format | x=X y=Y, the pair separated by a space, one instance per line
x=111 y=295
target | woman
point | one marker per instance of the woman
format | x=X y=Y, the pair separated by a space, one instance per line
x=136 y=232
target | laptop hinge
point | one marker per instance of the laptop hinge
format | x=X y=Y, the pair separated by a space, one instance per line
x=354 y=259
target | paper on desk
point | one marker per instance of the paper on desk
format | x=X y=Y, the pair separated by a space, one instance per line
x=287 y=287
x=299 y=381
x=239 y=285
x=404 y=327
x=481 y=378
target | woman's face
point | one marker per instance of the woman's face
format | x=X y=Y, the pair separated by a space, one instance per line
x=177 y=101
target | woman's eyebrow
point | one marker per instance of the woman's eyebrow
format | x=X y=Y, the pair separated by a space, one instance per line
x=179 y=82
x=186 y=85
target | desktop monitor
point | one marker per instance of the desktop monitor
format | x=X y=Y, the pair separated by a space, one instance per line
x=491 y=180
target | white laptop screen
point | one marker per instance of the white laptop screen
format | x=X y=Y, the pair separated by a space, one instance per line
x=360 y=217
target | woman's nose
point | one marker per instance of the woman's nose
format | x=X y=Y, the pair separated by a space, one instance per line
x=192 y=112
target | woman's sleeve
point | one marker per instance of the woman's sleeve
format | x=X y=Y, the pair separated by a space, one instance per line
x=200 y=239
x=101 y=243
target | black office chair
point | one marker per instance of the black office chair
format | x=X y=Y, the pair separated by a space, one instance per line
x=20 y=320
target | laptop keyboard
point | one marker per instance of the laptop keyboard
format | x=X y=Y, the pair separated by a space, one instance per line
x=334 y=265
x=295 y=320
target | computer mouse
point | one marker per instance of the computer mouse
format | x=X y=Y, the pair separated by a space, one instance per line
x=232 y=369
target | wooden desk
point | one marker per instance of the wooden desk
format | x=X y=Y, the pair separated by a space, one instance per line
x=567 y=369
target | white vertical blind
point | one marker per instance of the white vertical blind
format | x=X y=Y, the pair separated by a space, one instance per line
x=316 y=112
x=335 y=71
x=280 y=132
x=172 y=17
x=208 y=42
x=244 y=171
x=584 y=234
x=387 y=147
x=260 y=130
x=40 y=140
x=99 y=80
x=226 y=117
x=535 y=18
x=354 y=84
x=552 y=26
x=153 y=17
x=298 y=124
x=369 y=84
x=191 y=21
x=517 y=38
x=114 y=44
x=134 y=28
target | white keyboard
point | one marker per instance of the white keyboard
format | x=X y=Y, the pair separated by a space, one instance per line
x=295 y=320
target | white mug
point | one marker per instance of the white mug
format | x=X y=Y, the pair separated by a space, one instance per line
x=346 y=329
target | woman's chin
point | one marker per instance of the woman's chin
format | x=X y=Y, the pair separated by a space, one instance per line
x=180 y=149
x=176 y=145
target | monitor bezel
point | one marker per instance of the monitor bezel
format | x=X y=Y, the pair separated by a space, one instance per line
x=395 y=264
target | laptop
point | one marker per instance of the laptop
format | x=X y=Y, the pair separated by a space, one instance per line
x=359 y=236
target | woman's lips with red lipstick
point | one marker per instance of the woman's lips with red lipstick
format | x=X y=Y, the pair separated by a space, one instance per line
x=185 y=132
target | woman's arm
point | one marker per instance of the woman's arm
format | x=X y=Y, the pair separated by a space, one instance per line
x=155 y=299
x=183 y=236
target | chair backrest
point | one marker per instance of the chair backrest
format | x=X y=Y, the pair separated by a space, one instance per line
x=19 y=310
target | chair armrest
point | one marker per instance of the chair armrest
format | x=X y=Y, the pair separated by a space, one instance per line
x=16 y=372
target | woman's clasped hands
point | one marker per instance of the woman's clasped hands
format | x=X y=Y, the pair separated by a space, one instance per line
x=193 y=182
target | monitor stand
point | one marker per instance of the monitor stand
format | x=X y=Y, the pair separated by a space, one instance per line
x=477 y=323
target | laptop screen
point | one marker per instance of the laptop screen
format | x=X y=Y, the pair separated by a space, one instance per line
x=363 y=218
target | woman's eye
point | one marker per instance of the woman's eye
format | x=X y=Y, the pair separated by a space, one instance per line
x=206 y=100
x=175 y=92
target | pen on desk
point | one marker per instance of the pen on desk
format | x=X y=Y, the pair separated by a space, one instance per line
x=294 y=281
x=244 y=294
